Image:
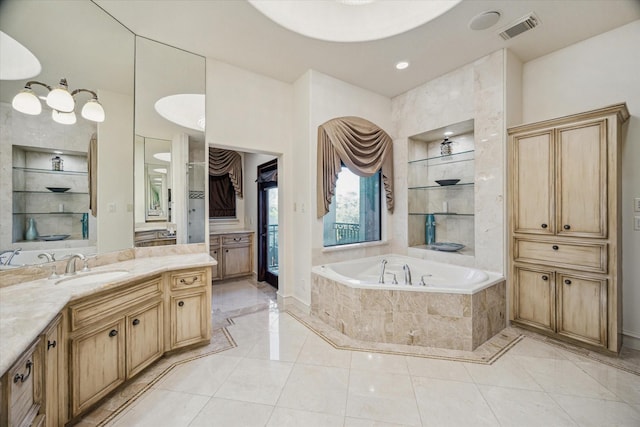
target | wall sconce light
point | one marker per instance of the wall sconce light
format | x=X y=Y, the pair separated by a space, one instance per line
x=61 y=101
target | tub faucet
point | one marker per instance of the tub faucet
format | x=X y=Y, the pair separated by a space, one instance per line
x=407 y=274
x=46 y=255
x=71 y=264
x=12 y=253
x=422 y=283
x=383 y=263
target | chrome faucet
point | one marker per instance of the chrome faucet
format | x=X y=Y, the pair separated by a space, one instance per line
x=407 y=274
x=12 y=253
x=46 y=255
x=383 y=264
x=71 y=264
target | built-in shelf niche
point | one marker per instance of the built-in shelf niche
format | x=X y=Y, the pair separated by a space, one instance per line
x=55 y=213
x=453 y=205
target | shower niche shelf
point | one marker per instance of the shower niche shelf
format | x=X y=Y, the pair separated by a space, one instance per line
x=453 y=205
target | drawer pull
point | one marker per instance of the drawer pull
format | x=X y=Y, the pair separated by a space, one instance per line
x=555 y=247
x=567 y=281
x=180 y=304
x=237 y=239
x=567 y=227
x=194 y=280
x=22 y=377
x=545 y=277
x=136 y=322
x=544 y=226
x=51 y=344
x=113 y=333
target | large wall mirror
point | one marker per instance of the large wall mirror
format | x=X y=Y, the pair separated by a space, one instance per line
x=77 y=41
x=170 y=145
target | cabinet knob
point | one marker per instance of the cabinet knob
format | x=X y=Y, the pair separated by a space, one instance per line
x=544 y=226
x=113 y=333
x=227 y=251
x=567 y=227
x=51 y=344
x=555 y=247
x=180 y=304
x=136 y=322
x=567 y=281
x=545 y=277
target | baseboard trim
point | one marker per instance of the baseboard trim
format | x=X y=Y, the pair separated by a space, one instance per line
x=630 y=341
x=284 y=303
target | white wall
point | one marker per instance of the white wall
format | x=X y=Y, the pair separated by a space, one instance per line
x=115 y=173
x=320 y=98
x=597 y=72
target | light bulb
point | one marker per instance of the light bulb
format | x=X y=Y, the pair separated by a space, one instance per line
x=60 y=99
x=93 y=111
x=27 y=102
x=63 y=118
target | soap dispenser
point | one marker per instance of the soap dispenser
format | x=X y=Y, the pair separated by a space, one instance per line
x=430 y=237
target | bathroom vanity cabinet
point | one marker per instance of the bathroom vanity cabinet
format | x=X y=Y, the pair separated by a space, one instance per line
x=565 y=240
x=113 y=336
x=234 y=253
x=154 y=238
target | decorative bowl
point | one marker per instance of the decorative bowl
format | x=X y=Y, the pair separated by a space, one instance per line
x=53 y=237
x=58 y=189
x=446 y=246
x=445 y=182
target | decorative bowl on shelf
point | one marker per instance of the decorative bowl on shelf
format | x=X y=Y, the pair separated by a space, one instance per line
x=58 y=189
x=446 y=182
x=446 y=246
x=52 y=237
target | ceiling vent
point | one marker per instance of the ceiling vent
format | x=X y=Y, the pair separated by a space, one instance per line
x=523 y=24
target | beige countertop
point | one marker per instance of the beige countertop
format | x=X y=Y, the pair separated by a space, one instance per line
x=27 y=308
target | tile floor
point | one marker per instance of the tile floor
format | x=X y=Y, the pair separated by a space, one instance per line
x=282 y=374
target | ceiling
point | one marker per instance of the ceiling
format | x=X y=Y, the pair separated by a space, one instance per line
x=234 y=32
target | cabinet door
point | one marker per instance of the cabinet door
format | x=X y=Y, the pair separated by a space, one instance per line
x=54 y=371
x=533 y=178
x=237 y=261
x=581 y=190
x=97 y=364
x=144 y=337
x=534 y=298
x=190 y=317
x=216 y=269
x=582 y=308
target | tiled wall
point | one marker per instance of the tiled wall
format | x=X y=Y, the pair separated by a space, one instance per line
x=441 y=320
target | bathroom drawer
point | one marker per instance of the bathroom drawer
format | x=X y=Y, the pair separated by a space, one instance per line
x=214 y=241
x=584 y=256
x=97 y=308
x=188 y=279
x=236 y=239
x=24 y=381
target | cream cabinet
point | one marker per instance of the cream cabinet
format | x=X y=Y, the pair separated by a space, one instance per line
x=54 y=373
x=234 y=253
x=565 y=242
x=114 y=335
x=569 y=305
x=21 y=390
x=189 y=303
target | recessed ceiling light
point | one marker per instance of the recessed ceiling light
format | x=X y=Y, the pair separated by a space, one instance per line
x=160 y=170
x=448 y=133
x=402 y=65
x=165 y=157
x=57 y=152
x=484 y=20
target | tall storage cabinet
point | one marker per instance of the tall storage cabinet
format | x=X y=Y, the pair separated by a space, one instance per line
x=564 y=232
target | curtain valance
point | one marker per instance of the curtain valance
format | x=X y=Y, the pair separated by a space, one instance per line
x=222 y=162
x=362 y=146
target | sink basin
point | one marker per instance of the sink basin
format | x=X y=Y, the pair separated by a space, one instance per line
x=93 y=278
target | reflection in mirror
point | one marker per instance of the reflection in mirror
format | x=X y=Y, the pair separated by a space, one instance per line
x=169 y=111
x=54 y=195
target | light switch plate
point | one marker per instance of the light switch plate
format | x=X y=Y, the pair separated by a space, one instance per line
x=636 y=204
x=636 y=223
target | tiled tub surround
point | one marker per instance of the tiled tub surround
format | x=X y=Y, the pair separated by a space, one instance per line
x=439 y=315
x=28 y=306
